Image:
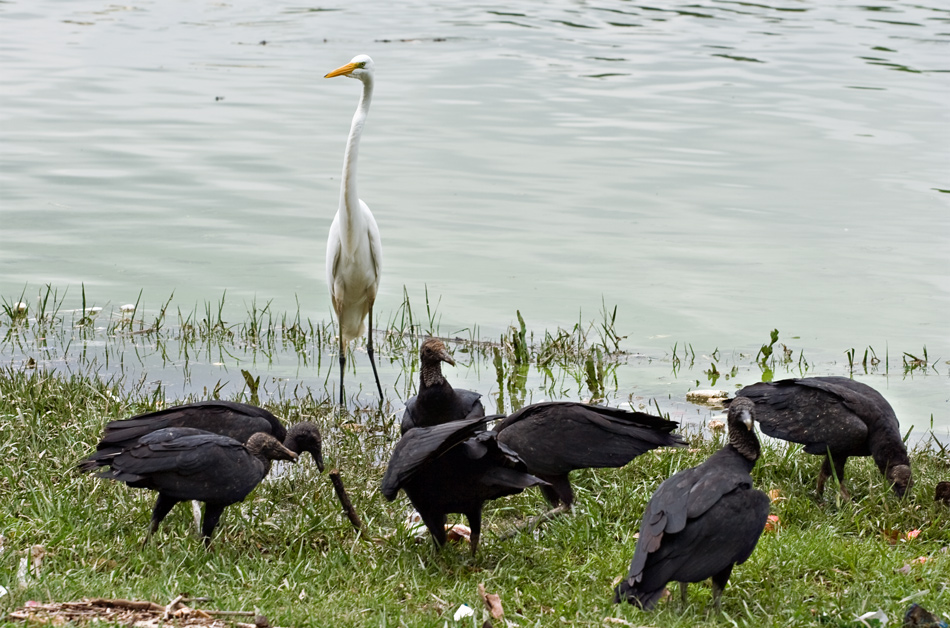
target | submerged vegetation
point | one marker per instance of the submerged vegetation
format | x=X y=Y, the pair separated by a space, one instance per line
x=142 y=348
x=290 y=551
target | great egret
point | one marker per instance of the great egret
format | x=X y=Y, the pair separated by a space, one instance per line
x=354 y=251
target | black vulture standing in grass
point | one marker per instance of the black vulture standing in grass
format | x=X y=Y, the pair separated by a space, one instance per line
x=227 y=418
x=454 y=467
x=555 y=438
x=700 y=522
x=437 y=402
x=189 y=464
x=834 y=417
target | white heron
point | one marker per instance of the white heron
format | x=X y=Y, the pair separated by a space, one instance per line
x=354 y=252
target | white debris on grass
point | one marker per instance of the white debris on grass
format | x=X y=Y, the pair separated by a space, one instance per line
x=463 y=611
x=878 y=616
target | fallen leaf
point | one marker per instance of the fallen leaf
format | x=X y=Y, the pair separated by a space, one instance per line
x=772 y=524
x=775 y=495
x=891 y=536
x=913 y=534
x=492 y=602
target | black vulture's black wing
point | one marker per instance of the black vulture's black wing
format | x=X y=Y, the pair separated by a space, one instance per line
x=421 y=445
x=558 y=437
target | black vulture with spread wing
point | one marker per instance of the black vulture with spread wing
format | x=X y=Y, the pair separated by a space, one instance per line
x=454 y=467
x=555 y=438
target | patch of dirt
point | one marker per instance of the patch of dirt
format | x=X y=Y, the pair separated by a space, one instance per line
x=135 y=613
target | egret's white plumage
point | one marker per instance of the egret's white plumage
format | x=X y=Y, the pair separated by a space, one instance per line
x=354 y=252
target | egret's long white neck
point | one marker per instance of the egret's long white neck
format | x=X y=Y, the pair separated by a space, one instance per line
x=351 y=218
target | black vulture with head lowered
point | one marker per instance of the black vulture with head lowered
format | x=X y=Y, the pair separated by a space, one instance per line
x=700 y=522
x=454 y=467
x=837 y=418
x=183 y=464
x=557 y=437
x=226 y=418
x=437 y=402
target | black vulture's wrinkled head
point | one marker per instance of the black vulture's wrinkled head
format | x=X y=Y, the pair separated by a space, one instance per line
x=266 y=445
x=901 y=478
x=305 y=436
x=432 y=354
x=433 y=351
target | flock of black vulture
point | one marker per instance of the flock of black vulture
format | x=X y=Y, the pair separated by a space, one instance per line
x=699 y=523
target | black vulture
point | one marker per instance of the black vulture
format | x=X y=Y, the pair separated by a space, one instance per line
x=437 y=402
x=555 y=438
x=227 y=418
x=188 y=464
x=834 y=417
x=700 y=522
x=942 y=493
x=454 y=467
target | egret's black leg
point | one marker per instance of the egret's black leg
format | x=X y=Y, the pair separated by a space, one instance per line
x=369 y=350
x=342 y=367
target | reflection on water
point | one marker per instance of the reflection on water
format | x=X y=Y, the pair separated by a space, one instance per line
x=715 y=169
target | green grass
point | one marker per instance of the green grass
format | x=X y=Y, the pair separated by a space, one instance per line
x=289 y=551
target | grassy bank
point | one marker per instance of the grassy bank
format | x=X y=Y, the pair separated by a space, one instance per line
x=290 y=552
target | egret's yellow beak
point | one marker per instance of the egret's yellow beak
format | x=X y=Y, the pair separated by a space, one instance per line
x=346 y=69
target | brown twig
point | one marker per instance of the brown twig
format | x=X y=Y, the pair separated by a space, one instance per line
x=134 y=605
x=345 y=500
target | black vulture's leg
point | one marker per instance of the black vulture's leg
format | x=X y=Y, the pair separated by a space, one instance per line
x=551 y=495
x=475 y=523
x=342 y=367
x=213 y=514
x=163 y=506
x=369 y=350
x=435 y=522
x=824 y=474
x=683 y=586
x=718 y=584
x=559 y=491
x=839 y=474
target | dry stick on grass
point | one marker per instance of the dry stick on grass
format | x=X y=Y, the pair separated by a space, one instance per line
x=134 y=605
x=345 y=500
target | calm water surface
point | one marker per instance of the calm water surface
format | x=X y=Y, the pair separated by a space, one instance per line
x=713 y=169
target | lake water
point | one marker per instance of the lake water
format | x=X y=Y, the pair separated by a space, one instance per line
x=713 y=169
